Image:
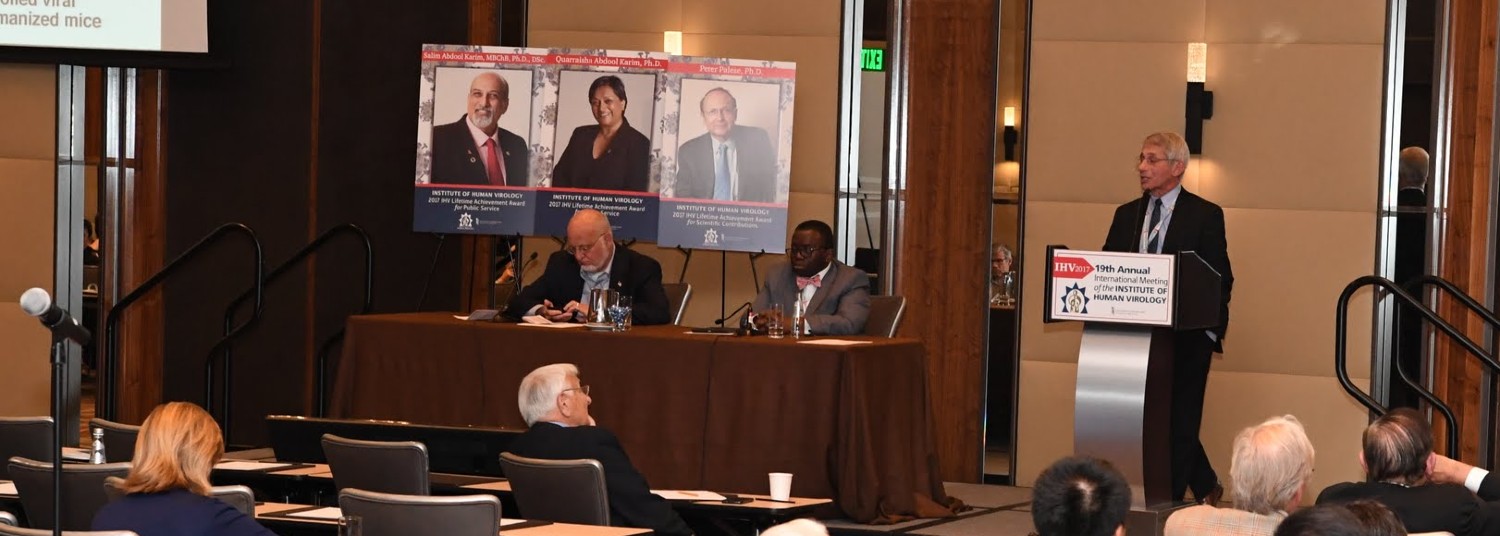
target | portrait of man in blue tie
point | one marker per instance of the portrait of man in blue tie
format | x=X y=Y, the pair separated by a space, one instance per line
x=729 y=162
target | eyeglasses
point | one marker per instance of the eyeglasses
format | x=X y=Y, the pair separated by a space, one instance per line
x=1151 y=159
x=583 y=388
x=803 y=251
x=575 y=250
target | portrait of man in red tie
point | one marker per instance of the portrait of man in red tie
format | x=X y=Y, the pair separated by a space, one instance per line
x=835 y=296
x=475 y=149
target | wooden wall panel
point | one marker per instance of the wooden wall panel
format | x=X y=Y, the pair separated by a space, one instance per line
x=944 y=255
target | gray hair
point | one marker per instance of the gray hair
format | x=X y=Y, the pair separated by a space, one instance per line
x=1172 y=144
x=539 y=390
x=1005 y=252
x=797 y=527
x=1272 y=461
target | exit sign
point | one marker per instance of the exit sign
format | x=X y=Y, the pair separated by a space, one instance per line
x=872 y=59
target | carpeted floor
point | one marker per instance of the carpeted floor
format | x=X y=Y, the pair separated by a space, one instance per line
x=997 y=511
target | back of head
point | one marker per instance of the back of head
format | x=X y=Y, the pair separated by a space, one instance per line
x=1413 y=168
x=1272 y=462
x=1079 y=496
x=177 y=447
x=1375 y=519
x=539 y=390
x=797 y=527
x=1397 y=447
x=1321 y=520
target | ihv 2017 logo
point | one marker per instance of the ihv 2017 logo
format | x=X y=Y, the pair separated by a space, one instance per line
x=465 y=222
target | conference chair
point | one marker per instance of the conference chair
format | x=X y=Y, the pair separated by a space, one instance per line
x=885 y=315
x=678 y=295
x=27 y=437
x=391 y=514
x=82 y=491
x=563 y=491
x=7 y=518
x=7 y=530
x=119 y=439
x=240 y=497
x=379 y=466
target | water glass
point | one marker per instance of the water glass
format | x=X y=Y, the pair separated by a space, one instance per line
x=351 y=525
x=776 y=322
x=619 y=313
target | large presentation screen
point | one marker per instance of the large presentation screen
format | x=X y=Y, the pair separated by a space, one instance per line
x=678 y=150
x=129 y=25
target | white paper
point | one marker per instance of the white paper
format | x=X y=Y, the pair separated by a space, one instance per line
x=512 y=521
x=77 y=454
x=8 y=488
x=685 y=495
x=535 y=320
x=833 y=342
x=708 y=333
x=327 y=512
x=558 y=325
x=461 y=317
x=250 y=466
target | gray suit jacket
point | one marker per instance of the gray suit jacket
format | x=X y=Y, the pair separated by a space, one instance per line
x=839 y=307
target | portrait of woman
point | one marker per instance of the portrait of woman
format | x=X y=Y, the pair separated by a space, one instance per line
x=608 y=155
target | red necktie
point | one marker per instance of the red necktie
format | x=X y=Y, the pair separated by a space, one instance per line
x=492 y=165
x=816 y=281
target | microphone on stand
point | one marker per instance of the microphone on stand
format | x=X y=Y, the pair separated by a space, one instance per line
x=36 y=302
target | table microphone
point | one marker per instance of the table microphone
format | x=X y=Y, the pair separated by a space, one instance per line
x=720 y=323
x=36 y=302
x=731 y=314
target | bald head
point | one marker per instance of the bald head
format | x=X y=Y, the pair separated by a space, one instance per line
x=591 y=240
x=1413 y=168
x=1398 y=448
x=588 y=220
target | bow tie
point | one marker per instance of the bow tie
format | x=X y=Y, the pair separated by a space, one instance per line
x=816 y=281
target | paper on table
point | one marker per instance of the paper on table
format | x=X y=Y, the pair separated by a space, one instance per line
x=461 y=317
x=73 y=453
x=833 y=342
x=553 y=325
x=249 y=466
x=8 y=488
x=327 y=512
x=685 y=495
x=506 y=522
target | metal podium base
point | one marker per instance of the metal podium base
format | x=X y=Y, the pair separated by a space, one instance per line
x=1151 y=519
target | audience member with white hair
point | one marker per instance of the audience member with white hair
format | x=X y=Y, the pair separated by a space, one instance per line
x=797 y=527
x=1268 y=474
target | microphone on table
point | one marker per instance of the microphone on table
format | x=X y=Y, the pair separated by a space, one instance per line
x=36 y=302
x=727 y=330
x=731 y=314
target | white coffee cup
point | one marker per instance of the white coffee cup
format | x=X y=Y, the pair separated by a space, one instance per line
x=781 y=486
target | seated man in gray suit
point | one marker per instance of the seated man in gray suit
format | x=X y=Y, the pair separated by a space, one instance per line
x=836 y=296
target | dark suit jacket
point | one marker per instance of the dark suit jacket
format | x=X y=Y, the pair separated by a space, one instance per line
x=625 y=165
x=631 y=503
x=1197 y=225
x=839 y=307
x=1428 y=508
x=176 y=513
x=633 y=274
x=755 y=159
x=456 y=160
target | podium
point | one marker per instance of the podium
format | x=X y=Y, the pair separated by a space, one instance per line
x=1132 y=305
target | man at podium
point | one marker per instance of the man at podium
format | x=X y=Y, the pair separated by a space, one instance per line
x=1167 y=219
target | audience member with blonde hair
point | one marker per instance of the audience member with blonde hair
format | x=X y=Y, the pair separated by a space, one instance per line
x=1268 y=474
x=168 y=489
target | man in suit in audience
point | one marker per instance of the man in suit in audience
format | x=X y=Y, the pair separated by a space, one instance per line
x=556 y=407
x=836 y=296
x=730 y=162
x=474 y=149
x=1403 y=474
x=1080 y=496
x=1168 y=219
x=1269 y=471
x=592 y=261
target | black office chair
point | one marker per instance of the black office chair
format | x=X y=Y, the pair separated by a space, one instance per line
x=563 y=491
x=379 y=466
x=7 y=530
x=885 y=315
x=27 y=437
x=390 y=514
x=240 y=497
x=82 y=491
x=678 y=295
x=119 y=439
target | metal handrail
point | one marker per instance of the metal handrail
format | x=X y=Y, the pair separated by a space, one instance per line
x=108 y=405
x=1414 y=287
x=230 y=333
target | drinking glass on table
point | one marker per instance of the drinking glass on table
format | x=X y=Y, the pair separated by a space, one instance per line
x=776 y=322
x=619 y=313
x=350 y=525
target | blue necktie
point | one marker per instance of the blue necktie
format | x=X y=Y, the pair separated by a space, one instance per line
x=1155 y=219
x=721 y=174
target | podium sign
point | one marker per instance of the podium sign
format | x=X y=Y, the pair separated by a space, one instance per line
x=1098 y=286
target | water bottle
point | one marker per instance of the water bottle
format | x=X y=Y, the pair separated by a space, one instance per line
x=97 y=456
x=799 y=323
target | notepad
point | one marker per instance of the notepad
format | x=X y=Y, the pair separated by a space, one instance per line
x=327 y=512
x=833 y=342
x=686 y=495
x=8 y=488
x=250 y=466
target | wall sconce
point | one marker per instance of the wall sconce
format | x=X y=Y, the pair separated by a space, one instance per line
x=1200 y=102
x=1010 y=136
x=671 y=42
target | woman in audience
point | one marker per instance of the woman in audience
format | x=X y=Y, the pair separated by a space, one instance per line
x=167 y=489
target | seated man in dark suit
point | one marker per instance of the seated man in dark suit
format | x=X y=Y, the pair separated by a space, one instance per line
x=1402 y=475
x=556 y=407
x=591 y=261
x=836 y=296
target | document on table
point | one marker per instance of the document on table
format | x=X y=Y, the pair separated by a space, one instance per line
x=327 y=512
x=685 y=495
x=250 y=466
x=75 y=454
x=538 y=321
x=833 y=342
x=8 y=488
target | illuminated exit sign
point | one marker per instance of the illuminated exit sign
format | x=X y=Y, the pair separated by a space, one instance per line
x=872 y=59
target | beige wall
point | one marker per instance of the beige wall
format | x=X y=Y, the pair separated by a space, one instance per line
x=1291 y=156
x=736 y=29
x=28 y=104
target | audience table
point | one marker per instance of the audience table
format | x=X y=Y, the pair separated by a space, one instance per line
x=693 y=411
